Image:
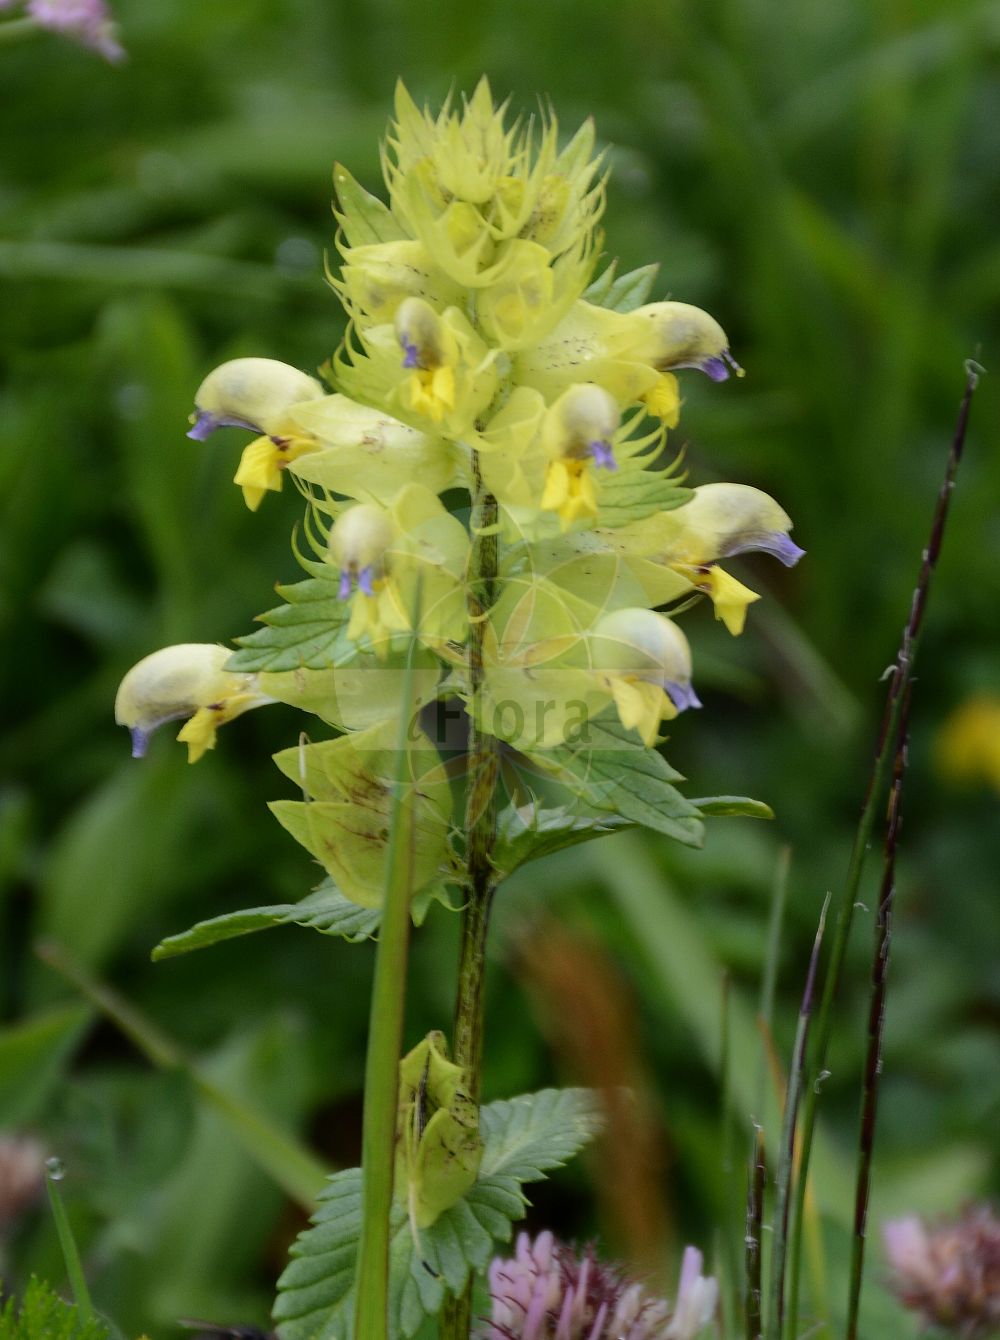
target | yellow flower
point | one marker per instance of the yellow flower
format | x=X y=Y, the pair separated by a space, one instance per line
x=186 y=680
x=720 y=521
x=968 y=744
x=385 y=554
x=431 y=370
x=678 y=335
x=645 y=661
x=630 y=354
x=577 y=432
x=259 y=394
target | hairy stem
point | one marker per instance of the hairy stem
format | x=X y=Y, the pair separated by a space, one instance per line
x=480 y=835
x=900 y=675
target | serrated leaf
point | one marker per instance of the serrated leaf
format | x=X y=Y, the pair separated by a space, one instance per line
x=630 y=495
x=614 y=771
x=325 y=910
x=304 y=632
x=526 y=833
x=524 y=1138
x=362 y=216
x=743 y=807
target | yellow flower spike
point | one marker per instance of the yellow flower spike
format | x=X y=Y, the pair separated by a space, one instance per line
x=638 y=647
x=253 y=393
x=678 y=335
x=186 y=680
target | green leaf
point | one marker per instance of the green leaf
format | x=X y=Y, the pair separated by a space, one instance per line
x=599 y=289
x=631 y=290
x=43 y=1315
x=525 y=833
x=325 y=910
x=363 y=217
x=524 y=1138
x=304 y=632
x=614 y=771
x=742 y=807
x=630 y=495
x=622 y=293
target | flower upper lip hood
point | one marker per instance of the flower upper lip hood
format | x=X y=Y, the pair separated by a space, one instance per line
x=683 y=336
x=254 y=393
x=187 y=680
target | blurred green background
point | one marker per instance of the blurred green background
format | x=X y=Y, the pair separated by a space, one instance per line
x=824 y=179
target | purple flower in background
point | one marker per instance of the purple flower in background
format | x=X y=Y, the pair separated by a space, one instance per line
x=547 y=1292
x=948 y=1272
x=88 y=22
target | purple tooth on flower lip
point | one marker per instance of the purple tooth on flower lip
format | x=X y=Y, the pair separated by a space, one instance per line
x=682 y=696
x=715 y=368
x=344 y=590
x=411 y=357
x=140 y=742
x=776 y=543
x=602 y=453
x=206 y=423
x=365 y=579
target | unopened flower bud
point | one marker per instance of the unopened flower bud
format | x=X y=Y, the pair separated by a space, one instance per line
x=254 y=393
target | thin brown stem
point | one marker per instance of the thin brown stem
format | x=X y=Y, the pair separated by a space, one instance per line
x=876 y=1019
x=899 y=678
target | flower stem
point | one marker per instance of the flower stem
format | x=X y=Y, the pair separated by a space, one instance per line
x=900 y=676
x=480 y=830
x=385 y=1037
